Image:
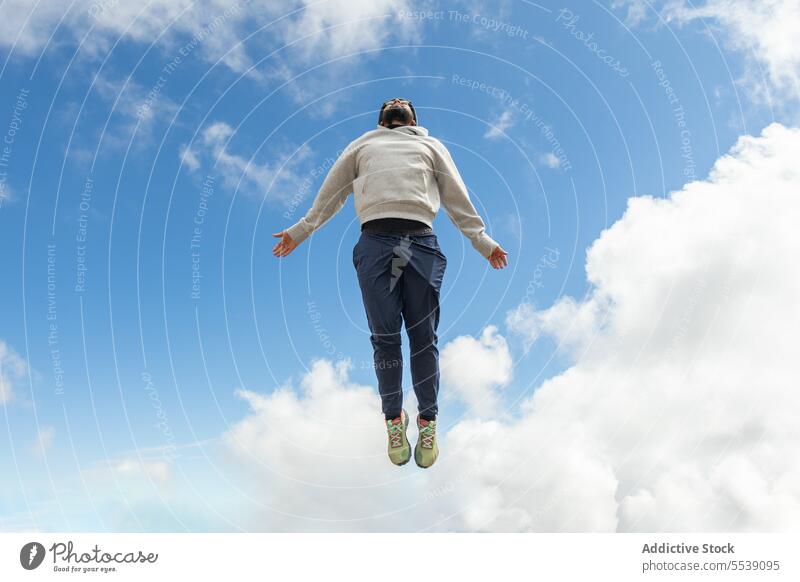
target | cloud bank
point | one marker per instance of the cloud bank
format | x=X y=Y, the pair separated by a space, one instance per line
x=678 y=412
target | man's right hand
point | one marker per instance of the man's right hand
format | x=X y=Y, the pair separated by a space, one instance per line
x=285 y=246
x=498 y=258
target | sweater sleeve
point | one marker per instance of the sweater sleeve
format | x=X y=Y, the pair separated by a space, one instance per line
x=332 y=195
x=455 y=199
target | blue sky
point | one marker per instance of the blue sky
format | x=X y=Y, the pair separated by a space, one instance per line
x=149 y=159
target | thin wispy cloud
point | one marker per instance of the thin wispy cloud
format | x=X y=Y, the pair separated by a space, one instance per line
x=280 y=179
x=499 y=125
x=12 y=369
x=550 y=160
x=135 y=113
x=43 y=441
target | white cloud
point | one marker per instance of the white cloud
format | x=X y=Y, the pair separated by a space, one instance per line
x=12 y=368
x=571 y=323
x=550 y=160
x=684 y=373
x=498 y=127
x=135 y=109
x=27 y=25
x=212 y=28
x=297 y=36
x=281 y=179
x=28 y=28
x=339 y=28
x=189 y=159
x=678 y=412
x=636 y=10
x=473 y=370
x=523 y=322
x=7 y=195
x=764 y=31
x=317 y=459
x=158 y=471
x=44 y=440
x=138 y=469
x=326 y=31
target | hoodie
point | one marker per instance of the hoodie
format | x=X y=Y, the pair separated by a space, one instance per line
x=402 y=173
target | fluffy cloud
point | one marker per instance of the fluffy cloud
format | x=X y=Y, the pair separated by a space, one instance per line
x=28 y=27
x=763 y=30
x=571 y=323
x=12 y=367
x=339 y=28
x=317 y=459
x=473 y=369
x=684 y=374
x=214 y=27
x=677 y=413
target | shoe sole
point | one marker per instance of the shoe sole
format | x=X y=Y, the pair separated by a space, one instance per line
x=424 y=466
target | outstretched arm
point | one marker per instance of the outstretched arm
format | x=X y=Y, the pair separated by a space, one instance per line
x=332 y=195
x=455 y=199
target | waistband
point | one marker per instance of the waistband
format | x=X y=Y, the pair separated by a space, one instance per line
x=396 y=226
x=383 y=230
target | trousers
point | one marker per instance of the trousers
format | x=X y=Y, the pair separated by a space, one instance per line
x=400 y=276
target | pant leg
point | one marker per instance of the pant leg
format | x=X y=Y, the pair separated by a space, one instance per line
x=422 y=281
x=383 y=304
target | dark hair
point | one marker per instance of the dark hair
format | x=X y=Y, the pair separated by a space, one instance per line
x=408 y=102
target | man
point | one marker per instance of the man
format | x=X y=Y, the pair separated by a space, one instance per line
x=399 y=176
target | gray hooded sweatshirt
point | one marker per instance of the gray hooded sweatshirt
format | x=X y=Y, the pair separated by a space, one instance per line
x=396 y=173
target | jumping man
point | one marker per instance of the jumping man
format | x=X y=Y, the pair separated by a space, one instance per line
x=399 y=176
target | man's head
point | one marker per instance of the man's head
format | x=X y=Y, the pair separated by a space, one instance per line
x=396 y=112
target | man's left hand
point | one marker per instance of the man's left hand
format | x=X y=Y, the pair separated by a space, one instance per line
x=498 y=258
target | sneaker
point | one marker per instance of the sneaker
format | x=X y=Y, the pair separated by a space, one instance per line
x=427 y=449
x=399 y=449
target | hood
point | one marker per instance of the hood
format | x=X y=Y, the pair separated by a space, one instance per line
x=409 y=129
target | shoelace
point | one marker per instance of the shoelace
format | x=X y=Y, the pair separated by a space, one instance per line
x=396 y=435
x=426 y=435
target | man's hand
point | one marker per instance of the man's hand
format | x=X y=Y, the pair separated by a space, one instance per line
x=285 y=246
x=498 y=258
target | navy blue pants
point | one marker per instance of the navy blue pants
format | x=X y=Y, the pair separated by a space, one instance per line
x=400 y=278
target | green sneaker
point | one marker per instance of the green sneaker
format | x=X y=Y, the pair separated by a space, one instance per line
x=427 y=449
x=399 y=449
